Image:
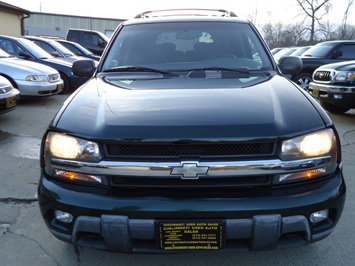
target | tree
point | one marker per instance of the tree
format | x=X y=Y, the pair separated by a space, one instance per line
x=344 y=26
x=312 y=8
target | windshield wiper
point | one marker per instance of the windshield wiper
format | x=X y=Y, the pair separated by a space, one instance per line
x=139 y=69
x=223 y=72
x=221 y=69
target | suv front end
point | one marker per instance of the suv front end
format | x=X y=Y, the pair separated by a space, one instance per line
x=334 y=86
x=190 y=150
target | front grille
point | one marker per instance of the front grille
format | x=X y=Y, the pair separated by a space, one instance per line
x=49 y=92
x=322 y=76
x=176 y=182
x=176 y=151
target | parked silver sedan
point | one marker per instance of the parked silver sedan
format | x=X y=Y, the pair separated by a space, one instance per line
x=30 y=78
x=8 y=95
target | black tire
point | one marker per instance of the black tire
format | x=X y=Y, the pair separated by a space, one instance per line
x=303 y=80
x=66 y=83
x=335 y=109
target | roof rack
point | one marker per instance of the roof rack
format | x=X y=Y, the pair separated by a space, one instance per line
x=186 y=12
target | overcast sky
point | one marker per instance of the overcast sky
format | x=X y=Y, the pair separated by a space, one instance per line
x=276 y=10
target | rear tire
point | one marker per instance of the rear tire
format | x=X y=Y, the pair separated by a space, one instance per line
x=335 y=109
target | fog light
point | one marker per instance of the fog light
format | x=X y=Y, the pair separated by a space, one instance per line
x=63 y=217
x=338 y=96
x=319 y=216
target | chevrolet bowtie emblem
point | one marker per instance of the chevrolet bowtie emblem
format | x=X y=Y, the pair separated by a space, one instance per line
x=190 y=170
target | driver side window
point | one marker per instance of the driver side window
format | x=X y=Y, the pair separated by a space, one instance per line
x=348 y=52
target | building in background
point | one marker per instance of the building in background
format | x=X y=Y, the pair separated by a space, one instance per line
x=15 y=21
x=57 y=24
x=12 y=19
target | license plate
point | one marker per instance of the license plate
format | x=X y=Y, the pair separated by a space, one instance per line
x=10 y=102
x=60 y=87
x=315 y=93
x=196 y=235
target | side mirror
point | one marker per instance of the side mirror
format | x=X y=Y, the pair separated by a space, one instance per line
x=56 y=54
x=290 y=65
x=25 y=55
x=84 y=68
x=102 y=43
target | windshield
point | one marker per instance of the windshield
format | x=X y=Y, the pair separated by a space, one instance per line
x=61 y=48
x=187 y=46
x=3 y=54
x=319 y=50
x=34 y=49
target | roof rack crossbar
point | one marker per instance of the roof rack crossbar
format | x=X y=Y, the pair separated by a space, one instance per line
x=186 y=12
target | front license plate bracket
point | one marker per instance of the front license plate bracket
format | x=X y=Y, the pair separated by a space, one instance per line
x=10 y=102
x=191 y=235
x=315 y=93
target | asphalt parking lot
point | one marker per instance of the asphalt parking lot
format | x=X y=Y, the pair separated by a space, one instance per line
x=25 y=240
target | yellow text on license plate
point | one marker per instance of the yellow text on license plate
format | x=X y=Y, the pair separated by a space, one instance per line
x=10 y=102
x=191 y=235
x=315 y=93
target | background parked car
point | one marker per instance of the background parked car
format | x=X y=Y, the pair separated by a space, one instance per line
x=300 y=50
x=30 y=78
x=321 y=54
x=8 y=95
x=78 y=49
x=26 y=49
x=334 y=86
x=276 y=50
x=92 y=40
x=54 y=48
x=284 y=52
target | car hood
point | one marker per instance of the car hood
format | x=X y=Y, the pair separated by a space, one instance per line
x=341 y=66
x=71 y=59
x=15 y=67
x=57 y=61
x=270 y=109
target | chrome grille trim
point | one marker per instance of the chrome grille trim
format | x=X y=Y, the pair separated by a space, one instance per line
x=216 y=169
x=323 y=75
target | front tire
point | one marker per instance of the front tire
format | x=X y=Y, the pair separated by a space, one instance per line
x=335 y=109
x=303 y=80
x=66 y=83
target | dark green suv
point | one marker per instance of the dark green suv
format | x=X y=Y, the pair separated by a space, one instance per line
x=188 y=138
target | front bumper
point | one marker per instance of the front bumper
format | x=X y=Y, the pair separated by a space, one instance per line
x=28 y=88
x=262 y=221
x=8 y=101
x=334 y=94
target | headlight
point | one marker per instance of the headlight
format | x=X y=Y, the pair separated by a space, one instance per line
x=344 y=76
x=37 y=78
x=72 y=148
x=313 y=155
x=319 y=143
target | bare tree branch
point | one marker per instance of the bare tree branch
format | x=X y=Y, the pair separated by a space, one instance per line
x=311 y=8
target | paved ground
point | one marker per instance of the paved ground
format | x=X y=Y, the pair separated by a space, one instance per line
x=25 y=240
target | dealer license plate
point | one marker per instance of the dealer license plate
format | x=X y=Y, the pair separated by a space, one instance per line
x=60 y=87
x=196 y=235
x=10 y=102
x=315 y=93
